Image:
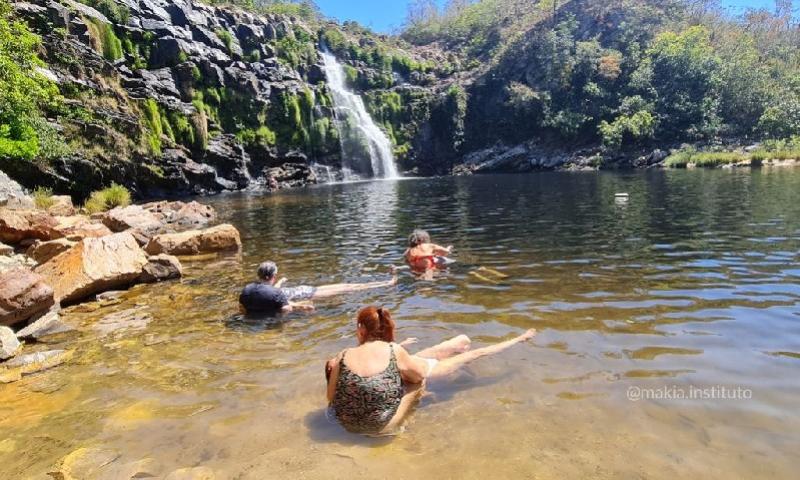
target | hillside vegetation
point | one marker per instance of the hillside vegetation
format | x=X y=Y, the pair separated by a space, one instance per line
x=624 y=73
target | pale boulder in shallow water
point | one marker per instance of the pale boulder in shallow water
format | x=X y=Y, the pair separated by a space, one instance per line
x=222 y=238
x=48 y=324
x=94 y=265
x=9 y=345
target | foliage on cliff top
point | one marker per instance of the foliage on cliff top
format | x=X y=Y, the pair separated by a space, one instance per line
x=625 y=73
x=23 y=90
x=305 y=9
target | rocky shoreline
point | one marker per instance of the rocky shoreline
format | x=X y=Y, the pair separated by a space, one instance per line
x=59 y=257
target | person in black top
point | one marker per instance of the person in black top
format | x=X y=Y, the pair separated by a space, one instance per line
x=268 y=296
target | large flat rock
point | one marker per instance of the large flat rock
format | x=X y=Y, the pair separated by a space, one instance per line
x=94 y=265
x=222 y=238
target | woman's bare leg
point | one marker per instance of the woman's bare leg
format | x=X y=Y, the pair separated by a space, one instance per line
x=450 y=365
x=446 y=349
x=342 y=288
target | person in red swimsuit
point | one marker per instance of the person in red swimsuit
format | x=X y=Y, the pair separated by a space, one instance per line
x=422 y=255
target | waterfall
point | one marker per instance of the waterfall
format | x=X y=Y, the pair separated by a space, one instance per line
x=365 y=148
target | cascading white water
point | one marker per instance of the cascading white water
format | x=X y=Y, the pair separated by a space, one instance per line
x=364 y=145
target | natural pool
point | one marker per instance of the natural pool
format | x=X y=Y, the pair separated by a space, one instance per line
x=694 y=282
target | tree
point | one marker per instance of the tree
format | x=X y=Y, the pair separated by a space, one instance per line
x=683 y=72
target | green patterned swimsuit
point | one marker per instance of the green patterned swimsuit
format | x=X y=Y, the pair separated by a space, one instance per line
x=367 y=404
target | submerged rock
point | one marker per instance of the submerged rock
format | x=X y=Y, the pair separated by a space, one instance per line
x=194 y=473
x=9 y=345
x=94 y=265
x=83 y=463
x=126 y=320
x=33 y=363
x=161 y=267
x=222 y=238
x=23 y=294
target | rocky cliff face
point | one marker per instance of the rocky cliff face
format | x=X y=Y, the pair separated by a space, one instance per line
x=172 y=97
x=176 y=97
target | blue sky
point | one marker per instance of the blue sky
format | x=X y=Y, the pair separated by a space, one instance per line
x=386 y=15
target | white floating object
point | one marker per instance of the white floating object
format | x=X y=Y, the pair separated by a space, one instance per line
x=621 y=195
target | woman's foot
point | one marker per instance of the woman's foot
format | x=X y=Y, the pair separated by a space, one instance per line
x=527 y=335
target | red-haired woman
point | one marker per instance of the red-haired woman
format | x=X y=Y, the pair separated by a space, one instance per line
x=371 y=387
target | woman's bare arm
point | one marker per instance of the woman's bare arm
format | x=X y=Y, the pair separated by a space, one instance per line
x=333 y=365
x=412 y=369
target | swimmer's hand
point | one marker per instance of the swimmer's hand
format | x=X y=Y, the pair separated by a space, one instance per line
x=408 y=341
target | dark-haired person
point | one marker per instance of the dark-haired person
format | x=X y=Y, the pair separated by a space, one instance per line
x=372 y=387
x=268 y=295
x=422 y=255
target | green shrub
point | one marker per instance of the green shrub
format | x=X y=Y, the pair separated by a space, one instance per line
x=43 y=197
x=226 y=38
x=107 y=41
x=262 y=136
x=114 y=196
x=639 y=126
x=684 y=158
x=253 y=57
x=351 y=74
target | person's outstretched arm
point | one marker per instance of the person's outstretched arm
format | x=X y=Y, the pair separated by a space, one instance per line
x=280 y=282
x=440 y=250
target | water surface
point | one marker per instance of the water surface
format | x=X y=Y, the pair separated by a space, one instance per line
x=694 y=282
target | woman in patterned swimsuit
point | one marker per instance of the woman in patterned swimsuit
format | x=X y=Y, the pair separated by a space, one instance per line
x=373 y=386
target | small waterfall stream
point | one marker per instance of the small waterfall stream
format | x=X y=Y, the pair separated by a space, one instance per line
x=365 y=148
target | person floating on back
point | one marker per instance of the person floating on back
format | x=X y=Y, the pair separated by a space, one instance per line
x=422 y=255
x=372 y=387
x=268 y=296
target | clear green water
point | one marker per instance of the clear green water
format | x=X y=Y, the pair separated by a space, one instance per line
x=693 y=282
